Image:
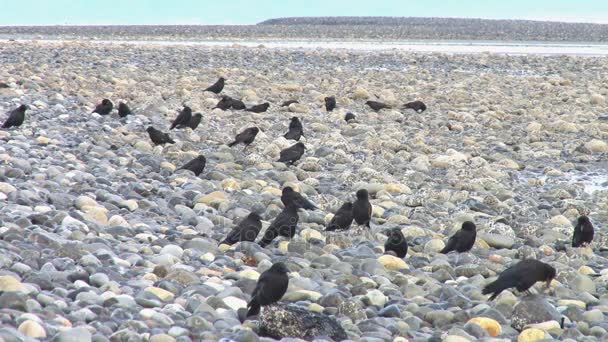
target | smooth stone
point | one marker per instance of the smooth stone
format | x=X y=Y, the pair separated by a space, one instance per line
x=32 y=329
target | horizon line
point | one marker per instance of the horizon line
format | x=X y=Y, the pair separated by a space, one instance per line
x=544 y=20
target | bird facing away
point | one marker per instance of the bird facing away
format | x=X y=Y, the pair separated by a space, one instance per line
x=123 y=109
x=183 y=118
x=261 y=108
x=217 y=87
x=288 y=103
x=521 y=276
x=342 y=219
x=362 y=209
x=15 y=117
x=292 y=154
x=396 y=243
x=104 y=108
x=349 y=116
x=158 y=137
x=583 y=232
x=376 y=106
x=196 y=165
x=224 y=103
x=284 y=225
x=247 y=136
x=195 y=121
x=296 y=131
x=247 y=230
x=418 y=106
x=292 y=198
x=270 y=288
x=463 y=240
x=330 y=103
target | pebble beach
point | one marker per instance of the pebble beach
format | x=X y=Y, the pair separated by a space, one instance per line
x=103 y=239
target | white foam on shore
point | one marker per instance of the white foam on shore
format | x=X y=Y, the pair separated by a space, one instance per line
x=454 y=47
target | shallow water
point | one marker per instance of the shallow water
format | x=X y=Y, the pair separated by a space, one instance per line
x=455 y=47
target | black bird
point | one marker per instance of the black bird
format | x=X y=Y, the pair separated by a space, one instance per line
x=292 y=198
x=418 y=106
x=247 y=230
x=15 y=117
x=158 y=137
x=224 y=103
x=349 y=116
x=289 y=102
x=342 y=219
x=521 y=276
x=217 y=87
x=123 y=109
x=376 y=106
x=196 y=165
x=238 y=104
x=270 y=288
x=396 y=243
x=296 y=131
x=292 y=154
x=463 y=240
x=330 y=103
x=583 y=232
x=183 y=118
x=362 y=209
x=245 y=137
x=195 y=120
x=104 y=108
x=261 y=108
x=284 y=225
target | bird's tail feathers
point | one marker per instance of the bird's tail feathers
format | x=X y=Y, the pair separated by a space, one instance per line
x=233 y=143
x=254 y=308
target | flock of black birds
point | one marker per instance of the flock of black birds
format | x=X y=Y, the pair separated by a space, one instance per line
x=272 y=284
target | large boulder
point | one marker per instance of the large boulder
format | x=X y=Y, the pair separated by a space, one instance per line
x=280 y=320
x=531 y=310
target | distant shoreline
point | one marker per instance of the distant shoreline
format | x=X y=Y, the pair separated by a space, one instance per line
x=418 y=46
x=336 y=28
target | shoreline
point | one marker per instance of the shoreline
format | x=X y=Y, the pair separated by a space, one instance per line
x=416 y=46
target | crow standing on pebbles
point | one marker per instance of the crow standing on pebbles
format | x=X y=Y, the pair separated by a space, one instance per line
x=123 y=109
x=284 y=225
x=349 y=116
x=247 y=230
x=292 y=198
x=396 y=243
x=463 y=240
x=296 y=131
x=292 y=154
x=247 y=136
x=521 y=276
x=330 y=103
x=217 y=87
x=376 y=106
x=183 y=118
x=196 y=165
x=158 y=137
x=195 y=121
x=418 y=106
x=362 y=209
x=261 y=108
x=104 y=108
x=270 y=288
x=288 y=103
x=15 y=117
x=583 y=232
x=342 y=219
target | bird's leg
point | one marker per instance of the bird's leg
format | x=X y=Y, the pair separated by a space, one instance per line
x=457 y=258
